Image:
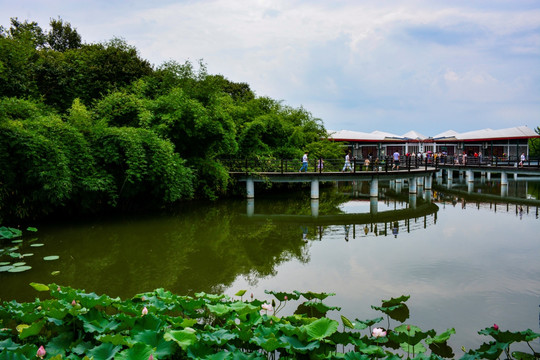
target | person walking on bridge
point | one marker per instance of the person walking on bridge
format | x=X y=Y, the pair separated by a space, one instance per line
x=304 y=162
x=396 y=160
x=347 y=165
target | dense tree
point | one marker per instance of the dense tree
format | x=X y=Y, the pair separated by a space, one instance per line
x=87 y=127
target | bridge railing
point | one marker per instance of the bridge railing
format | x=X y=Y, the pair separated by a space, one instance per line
x=254 y=165
x=491 y=161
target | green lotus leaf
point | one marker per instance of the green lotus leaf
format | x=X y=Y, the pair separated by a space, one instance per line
x=19 y=269
x=375 y=350
x=54 y=273
x=321 y=296
x=268 y=342
x=281 y=295
x=184 y=338
x=39 y=287
x=219 y=309
x=321 y=328
x=489 y=351
x=442 y=337
x=395 y=301
x=509 y=336
x=19 y=263
x=105 y=351
x=51 y=257
x=293 y=343
x=321 y=307
x=154 y=339
x=93 y=321
x=6 y=268
x=242 y=308
x=17 y=241
x=33 y=329
x=4 y=263
x=9 y=233
x=347 y=322
x=218 y=337
x=416 y=349
x=116 y=339
x=240 y=293
x=137 y=352
x=15 y=255
x=32 y=229
x=82 y=347
x=37 y=245
x=518 y=355
x=27 y=254
x=59 y=344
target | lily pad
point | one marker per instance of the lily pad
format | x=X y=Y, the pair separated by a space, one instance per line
x=5 y=268
x=4 y=263
x=36 y=245
x=56 y=272
x=51 y=257
x=17 y=241
x=28 y=254
x=19 y=263
x=19 y=269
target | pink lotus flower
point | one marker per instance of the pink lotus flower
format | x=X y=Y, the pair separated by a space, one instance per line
x=267 y=307
x=144 y=311
x=378 y=332
x=41 y=352
x=73 y=303
x=495 y=326
x=151 y=357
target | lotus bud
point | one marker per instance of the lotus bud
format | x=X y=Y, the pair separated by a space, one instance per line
x=58 y=289
x=251 y=296
x=144 y=311
x=151 y=357
x=285 y=298
x=41 y=352
x=73 y=303
x=273 y=303
x=495 y=326
x=408 y=327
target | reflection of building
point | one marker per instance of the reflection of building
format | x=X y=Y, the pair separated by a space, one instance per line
x=510 y=142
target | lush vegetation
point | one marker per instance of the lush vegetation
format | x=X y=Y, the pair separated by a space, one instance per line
x=74 y=324
x=91 y=127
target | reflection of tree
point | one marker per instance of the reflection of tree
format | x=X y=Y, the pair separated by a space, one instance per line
x=204 y=249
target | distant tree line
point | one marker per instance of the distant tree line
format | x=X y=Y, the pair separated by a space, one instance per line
x=92 y=127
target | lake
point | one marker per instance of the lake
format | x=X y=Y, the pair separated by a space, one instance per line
x=468 y=259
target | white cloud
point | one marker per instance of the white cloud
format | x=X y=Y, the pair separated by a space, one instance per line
x=376 y=64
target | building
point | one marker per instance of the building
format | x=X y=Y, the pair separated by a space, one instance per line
x=501 y=143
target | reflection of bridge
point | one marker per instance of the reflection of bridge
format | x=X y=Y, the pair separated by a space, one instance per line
x=426 y=208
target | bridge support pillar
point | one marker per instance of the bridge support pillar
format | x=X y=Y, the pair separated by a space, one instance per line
x=374 y=188
x=412 y=185
x=461 y=176
x=489 y=175
x=504 y=184
x=450 y=175
x=515 y=176
x=428 y=183
x=315 y=189
x=250 y=188
x=428 y=196
x=483 y=177
x=398 y=186
x=470 y=187
x=250 y=210
x=315 y=208
x=470 y=176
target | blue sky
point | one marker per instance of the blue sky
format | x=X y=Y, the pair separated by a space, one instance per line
x=395 y=66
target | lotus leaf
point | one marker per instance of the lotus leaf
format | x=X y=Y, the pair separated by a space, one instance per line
x=321 y=328
x=51 y=257
x=39 y=287
x=184 y=338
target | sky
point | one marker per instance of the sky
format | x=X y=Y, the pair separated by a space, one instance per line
x=360 y=65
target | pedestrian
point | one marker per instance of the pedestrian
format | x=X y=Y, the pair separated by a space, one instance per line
x=304 y=162
x=347 y=165
x=396 y=160
x=320 y=164
x=523 y=158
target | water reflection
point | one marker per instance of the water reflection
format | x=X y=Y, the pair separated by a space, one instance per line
x=468 y=259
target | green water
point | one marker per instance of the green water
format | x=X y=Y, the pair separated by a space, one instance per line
x=467 y=262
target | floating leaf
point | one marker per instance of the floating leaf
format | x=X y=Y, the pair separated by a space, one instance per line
x=17 y=241
x=6 y=268
x=36 y=245
x=56 y=272
x=4 y=263
x=33 y=229
x=19 y=263
x=240 y=293
x=51 y=257
x=39 y=287
x=27 y=254
x=19 y=269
